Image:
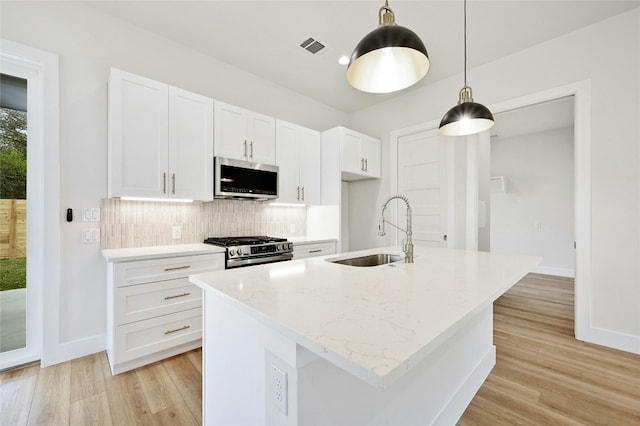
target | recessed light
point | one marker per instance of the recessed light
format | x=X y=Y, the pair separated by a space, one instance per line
x=344 y=60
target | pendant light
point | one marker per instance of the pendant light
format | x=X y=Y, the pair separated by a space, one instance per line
x=467 y=117
x=389 y=58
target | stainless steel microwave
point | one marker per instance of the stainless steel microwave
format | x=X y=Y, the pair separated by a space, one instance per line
x=243 y=180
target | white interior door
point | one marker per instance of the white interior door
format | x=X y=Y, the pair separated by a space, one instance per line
x=422 y=178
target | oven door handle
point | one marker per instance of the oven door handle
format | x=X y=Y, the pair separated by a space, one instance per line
x=257 y=260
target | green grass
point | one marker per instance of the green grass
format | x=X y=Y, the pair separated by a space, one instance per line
x=13 y=273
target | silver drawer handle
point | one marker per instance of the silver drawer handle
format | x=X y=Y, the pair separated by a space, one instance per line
x=176 y=296
x=177 y=268
x=315 y=251
x=177 y=329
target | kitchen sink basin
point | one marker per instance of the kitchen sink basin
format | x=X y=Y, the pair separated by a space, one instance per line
x=369 y=260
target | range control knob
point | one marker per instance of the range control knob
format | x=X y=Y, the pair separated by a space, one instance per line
x=232 y=252
x=290 y=246
x=279 y=246
x=239 y=251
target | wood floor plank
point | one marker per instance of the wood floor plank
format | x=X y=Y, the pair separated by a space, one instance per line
x=195 y=356
x=16 y=394
x=175 y=415
x=157 y=387
x=93 y=410
x=87 y=378
x=51 y=398
x=127 y=404
x=188 y=380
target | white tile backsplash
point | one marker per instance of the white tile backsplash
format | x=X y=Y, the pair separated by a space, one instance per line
x=146 y=223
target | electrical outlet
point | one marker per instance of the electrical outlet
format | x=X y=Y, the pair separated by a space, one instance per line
x=176 y=232
x=279 y=396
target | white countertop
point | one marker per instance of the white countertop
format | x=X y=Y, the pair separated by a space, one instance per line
x=375 y=322
x=156 y=252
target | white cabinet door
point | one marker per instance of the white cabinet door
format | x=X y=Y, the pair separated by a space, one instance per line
x=138 y=135
x=190 y=145
x=287 y=160
x=370 y=151
x=309 y=148
x=261 y=136
x=230 y=131
x=244 y=135
x=352 y=160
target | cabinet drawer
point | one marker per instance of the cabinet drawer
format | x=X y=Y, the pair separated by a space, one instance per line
x=149 y=336
x=144 y=301
x=302 y=251
x=145 y=271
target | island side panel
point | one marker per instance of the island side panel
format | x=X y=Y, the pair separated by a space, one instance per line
x=435 y=391
x=233 y=366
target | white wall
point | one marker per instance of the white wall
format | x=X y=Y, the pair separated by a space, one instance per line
x=88 y=43
x=535 y=216
x=607 y=54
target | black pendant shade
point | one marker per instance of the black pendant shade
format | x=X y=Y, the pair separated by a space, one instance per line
x=467 y=117
x=388 y=59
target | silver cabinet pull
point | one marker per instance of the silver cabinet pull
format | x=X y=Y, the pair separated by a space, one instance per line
x=245 y=149
x=251 y=149
x=362 y=164
x=315 y=251
x=298 y=197
x=303 y=193
x=177 y=329
x=173 y=178
x=164 y=183
x=366 y=164
x=177 y=268
x=176 y=296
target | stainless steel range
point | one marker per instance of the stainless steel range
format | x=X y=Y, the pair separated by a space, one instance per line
x=246 y=251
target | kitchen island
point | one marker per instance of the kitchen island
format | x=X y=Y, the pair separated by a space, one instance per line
x=316 y=342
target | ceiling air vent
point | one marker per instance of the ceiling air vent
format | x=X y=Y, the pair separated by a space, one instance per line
x=311 y=45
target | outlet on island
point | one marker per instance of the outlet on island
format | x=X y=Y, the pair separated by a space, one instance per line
x=176 y=232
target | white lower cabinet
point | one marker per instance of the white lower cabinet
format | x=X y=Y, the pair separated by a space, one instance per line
x=313 y=249
x=153 y=312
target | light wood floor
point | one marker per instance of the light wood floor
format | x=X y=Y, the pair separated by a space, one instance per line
x=543 y=376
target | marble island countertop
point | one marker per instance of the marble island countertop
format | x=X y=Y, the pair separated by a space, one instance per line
x=374 y=322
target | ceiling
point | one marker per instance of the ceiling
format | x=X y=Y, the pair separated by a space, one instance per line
x=263 y=37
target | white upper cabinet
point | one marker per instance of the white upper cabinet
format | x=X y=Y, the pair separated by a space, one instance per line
x=360 y=153
x=244 y=135
x=298 y=159
x=160 y=140
x=138 y=135
x=190 y=145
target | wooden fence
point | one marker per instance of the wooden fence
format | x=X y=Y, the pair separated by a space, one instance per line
x=13 y=229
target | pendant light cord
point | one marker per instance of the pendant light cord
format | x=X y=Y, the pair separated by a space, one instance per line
x=465 y=43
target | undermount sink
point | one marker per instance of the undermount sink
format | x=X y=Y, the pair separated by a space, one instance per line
x=369 y=260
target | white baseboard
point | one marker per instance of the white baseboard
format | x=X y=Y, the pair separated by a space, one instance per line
x=74 y=349
x=612 y=339
x=558 y=272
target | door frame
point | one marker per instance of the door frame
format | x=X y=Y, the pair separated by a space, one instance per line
x=581 y=93
x=43 y=198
